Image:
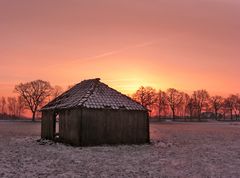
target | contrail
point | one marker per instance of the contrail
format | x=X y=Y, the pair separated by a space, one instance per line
x=113 y=52
x=109 y=53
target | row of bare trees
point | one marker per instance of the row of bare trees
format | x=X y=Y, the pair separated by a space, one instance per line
x=174 y=103
x=170 y=103
x=31 y=96
x=12 y=106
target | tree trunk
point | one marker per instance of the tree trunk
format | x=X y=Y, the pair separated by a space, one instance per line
x=159 y=114
x=216 y=114
x=199 y=114
x=235 y=112
x=173 y=112
x=33 y=116
x=191 y=114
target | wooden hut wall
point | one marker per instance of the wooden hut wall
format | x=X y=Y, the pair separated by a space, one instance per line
x=47 y=125
x=69 y=126
x=114 y=127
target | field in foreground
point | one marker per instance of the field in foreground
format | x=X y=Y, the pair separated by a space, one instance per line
x=177 y=150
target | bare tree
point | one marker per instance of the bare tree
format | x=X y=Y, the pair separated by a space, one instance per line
x=183 y=108
x=228 y=108
x=161 y=102
x=57 y=90
x=201 y=100
x=216 y=103
x=3 y=103
x=237 y=106
x=20 y=105
x=12 y=105
x=15 y=106
x=191 y=107
x=145 y=96
x=230 y=104
x=174 y=98
x=34 y=94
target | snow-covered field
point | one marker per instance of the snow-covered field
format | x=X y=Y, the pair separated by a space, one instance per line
x=178 y=150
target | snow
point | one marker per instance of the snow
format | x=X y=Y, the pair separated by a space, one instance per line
x=177 y=150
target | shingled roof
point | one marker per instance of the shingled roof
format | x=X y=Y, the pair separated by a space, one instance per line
x=93 y=94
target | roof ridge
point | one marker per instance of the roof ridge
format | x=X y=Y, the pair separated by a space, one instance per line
x=90 y=91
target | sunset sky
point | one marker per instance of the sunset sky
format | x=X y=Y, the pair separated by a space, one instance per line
x=186 y=44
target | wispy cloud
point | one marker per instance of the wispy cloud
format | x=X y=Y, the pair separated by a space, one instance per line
x=108 y=53
x=117 y=51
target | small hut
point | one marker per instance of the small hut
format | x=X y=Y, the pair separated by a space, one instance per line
x=92 y=113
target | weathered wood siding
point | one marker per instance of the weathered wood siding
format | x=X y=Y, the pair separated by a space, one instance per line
x=114 y=127
x=47 y=125
x=69 y=126
x=83 y=127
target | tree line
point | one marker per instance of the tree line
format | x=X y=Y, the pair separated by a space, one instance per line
x=163 y=104
x=178 y=104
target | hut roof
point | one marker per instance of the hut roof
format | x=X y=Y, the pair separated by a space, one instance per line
x=93 y=94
